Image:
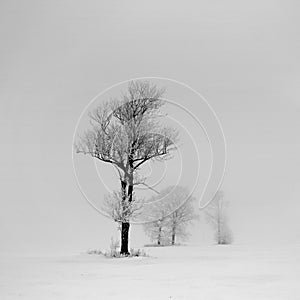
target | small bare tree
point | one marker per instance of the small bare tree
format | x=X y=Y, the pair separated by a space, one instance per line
x=158 y=230
x=183 y=213
x=216 y=215
x=120 y=209
x=173 y=213
x=127 y=133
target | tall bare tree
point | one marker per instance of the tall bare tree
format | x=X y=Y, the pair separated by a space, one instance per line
x=216 y=215
x=127 y=133
x=173 y=212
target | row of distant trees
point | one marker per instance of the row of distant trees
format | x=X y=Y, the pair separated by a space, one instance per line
x=127 y=133
x=174 y=217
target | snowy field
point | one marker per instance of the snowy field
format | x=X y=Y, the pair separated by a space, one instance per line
x=186 y=272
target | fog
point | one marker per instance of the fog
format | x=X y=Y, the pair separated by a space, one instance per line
x=243 y=57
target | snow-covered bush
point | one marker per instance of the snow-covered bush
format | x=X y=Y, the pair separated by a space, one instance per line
x=94 y=251
x=138 y=252
x=114 y=251
x=114 y=246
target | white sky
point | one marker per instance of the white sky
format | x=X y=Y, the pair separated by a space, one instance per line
x=56 y=56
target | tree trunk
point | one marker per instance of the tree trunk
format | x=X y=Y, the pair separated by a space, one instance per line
x=130 y=192
x=124 y=238
x=159 y=236
x=125 y=225
x=219 y=227
x=173 y=236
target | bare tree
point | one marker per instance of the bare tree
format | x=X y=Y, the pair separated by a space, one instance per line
x=216 y=215
x=183 y=213
x=174 y=212
x=158 y=230
x=127 y=133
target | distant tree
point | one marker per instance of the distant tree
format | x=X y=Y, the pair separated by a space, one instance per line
x=183 y=213
x=158 y=230
x=126 y=133
x=216 y=215
x=173 y=212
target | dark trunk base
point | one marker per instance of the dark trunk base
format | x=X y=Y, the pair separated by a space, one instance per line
x=173 y=239
x=124 y=238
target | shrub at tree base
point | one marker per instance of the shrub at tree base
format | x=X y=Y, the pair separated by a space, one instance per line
x=117 y=254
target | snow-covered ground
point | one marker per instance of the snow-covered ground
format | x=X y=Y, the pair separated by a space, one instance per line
x=186 y=272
